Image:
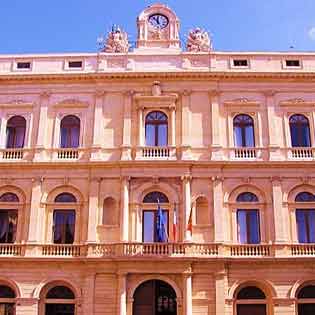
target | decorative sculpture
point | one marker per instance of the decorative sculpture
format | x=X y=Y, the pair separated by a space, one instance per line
x=117 y=41
x=198 y=40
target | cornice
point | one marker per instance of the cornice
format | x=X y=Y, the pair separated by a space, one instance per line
x=296 y=102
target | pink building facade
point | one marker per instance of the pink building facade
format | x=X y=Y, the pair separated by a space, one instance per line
x=159 y=180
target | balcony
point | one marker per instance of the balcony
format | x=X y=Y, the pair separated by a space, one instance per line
x=16 y=154
x=247 y=153
x=156 y=153
x=68 y=154
x=302 y=153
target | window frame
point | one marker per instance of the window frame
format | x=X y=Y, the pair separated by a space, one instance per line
x=309 y=131
x=243 y=131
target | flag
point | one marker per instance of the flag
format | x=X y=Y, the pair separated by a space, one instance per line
x=174 y=223
x=161 y=225
x=189 y=224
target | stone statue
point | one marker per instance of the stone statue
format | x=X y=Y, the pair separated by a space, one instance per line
x=117 y=41
x=198 y=40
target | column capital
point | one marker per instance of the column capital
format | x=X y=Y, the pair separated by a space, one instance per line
x=186 y=92
x=276 y=179
x=269 y=93
x=38 y=180
x=99 y=93
x=213 y=93
x=96 y=179
x=186 y=178
x=129 y=93
x=122 y=273
x=216 y=179
x=45 y=94
x=125 y=178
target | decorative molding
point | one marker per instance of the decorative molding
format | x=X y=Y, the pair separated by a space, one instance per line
x=19 y=103
x=242 y=101
x=99 y=93
x=296 y=102
x=269 y=93
x=71 y=103
x=214 y=93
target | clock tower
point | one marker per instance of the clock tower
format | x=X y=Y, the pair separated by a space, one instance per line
x=158 y=27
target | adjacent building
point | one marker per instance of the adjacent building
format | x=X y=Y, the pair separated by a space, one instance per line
x=159 y=180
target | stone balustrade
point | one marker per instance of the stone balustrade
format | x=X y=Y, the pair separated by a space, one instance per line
x=153 y=153
x=161 y=250
x=301 y=153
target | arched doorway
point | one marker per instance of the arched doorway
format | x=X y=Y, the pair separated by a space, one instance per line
x=154 y=297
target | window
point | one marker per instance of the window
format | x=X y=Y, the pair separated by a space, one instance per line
x=110 y=213
x=7 y=300
x=150 y=225
x=156 y=129
x=75 y=64
x=306 y=300
x=70 y=132
x=305 y=218
x=248 y=221
x=23 y=65
x=65 y=197
x=155 y=197
x=64 y=225
x=240 y=63
x=300 y=131
x=292 y=63
x=251 y=300
x=16 y=127
x=60 y=300
x=243 y=126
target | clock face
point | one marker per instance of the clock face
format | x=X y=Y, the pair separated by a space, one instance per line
x=158 y=20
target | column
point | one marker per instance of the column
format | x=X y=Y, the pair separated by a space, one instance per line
x=187 y=206
x=124 y=233
x=216 y=126
x=218 y=210
x=35 y=209
x=122 y=293
x=173 y=126
x=88 y=294
x=43 y=120
x=94 y=208
x=140 y=126
x=280 y=220
x=186 y=126
x=98 y=119
x=187 y=283
x=27 y=305
x=220 y=281
x=3 y=136
x=126 y=145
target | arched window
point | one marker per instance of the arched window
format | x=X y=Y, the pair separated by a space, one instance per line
x=243 y=126
x=155 y=219
x=248 y=221
x=70 y=132
x=202 y=211
x=8 y=217
x=251 y=300
x=300 y=131
x=110 y=213
x=60 y=300
x=155 y=297
x=156 y=129
x=306 y=300
x=64 y=220
x=7 y=300
x=305 y=217
x=16 y=127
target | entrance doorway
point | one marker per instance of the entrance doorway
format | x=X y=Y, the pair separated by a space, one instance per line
x=154 y=297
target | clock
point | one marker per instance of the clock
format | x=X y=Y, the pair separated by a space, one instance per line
x=158 y=20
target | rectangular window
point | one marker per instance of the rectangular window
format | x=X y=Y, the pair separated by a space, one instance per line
x=74 y=64
x=305 y=220
x=292 y=63
x=240 y=63
x=248 y=226
x=64 y=226
x=23 y=65
x=149 y=225
x=8 y=225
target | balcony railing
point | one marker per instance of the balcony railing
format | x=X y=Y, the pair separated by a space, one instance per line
x=158 y=250
x=301 y=153
x=159 y=153
x=247 y=153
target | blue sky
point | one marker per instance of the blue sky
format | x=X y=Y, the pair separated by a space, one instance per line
x=41 y=26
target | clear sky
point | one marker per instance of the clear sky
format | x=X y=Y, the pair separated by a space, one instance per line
x=41 y=26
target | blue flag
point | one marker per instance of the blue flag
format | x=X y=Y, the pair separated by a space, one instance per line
x=161 y=226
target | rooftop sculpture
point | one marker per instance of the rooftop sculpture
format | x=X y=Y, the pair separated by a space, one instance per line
x=198 y=40
x=117 y=41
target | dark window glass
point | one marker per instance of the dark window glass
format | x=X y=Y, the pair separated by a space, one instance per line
x=64 y=226
x=240 y=63
x=65 y=197
x=8 y=226
x=9 y=197
x=7 y=308
x=60 y=292
x=6 y=292
x=75 y=64
x=155 y=197
x=304 y=197
x=305 y=220
x=248 y=226
x=250 y=293
x=150 y=223
x=251 y=309
x=306 y=309
x=292 y=63
x=156 y=129
x=16 y=127
x=23 y=65
x=59 y=309
x=300 y=131
x=70 y=132
x=243 y=126
x=307 y=292
x=247 y=197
